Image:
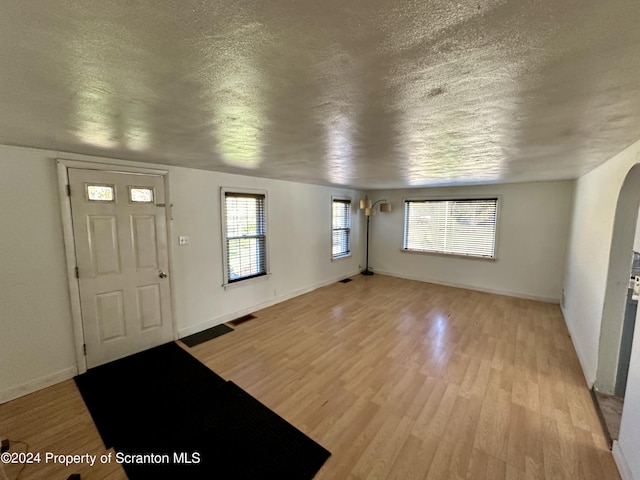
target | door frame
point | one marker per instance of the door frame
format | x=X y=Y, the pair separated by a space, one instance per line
x=63 y=166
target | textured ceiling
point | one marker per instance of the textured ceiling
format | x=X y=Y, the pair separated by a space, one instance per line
x=364 y=93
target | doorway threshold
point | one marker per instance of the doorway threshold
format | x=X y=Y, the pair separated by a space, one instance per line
x=609 y=409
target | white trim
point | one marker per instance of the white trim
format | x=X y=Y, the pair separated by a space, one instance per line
x=183 y=332
x=621 y=462
x=111 y=167
x=470 y=196
x=63 y=166
x=470 y=287
x=449 y=255
x=70 y=256
x=31 y=386
x=246 y=281
x=223 y=230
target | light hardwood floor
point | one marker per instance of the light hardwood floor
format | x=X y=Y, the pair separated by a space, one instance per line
x=398 y=379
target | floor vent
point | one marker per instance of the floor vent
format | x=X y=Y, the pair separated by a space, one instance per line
x=345 y=280
x=206 y=335
x=240 y=320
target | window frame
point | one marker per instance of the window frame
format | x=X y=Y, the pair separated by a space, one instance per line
x=223 y=221
x=340 y=199
x=453 y=198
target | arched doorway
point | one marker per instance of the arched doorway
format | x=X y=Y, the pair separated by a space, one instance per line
x=615 y=301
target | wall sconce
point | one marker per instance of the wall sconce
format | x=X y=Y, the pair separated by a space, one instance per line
x=370 y=210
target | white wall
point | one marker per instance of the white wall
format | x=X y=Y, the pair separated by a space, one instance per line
x=636 y=242
x=586 y=279
x=299 y=243
x=36 y=341
x=532 y=235
x=36 y=336
x=630 y=424
x=595 y=203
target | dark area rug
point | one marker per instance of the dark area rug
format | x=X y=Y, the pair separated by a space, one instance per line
x=198 y=426
x=205 y=335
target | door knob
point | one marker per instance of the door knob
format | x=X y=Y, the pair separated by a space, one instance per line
x=162 y=275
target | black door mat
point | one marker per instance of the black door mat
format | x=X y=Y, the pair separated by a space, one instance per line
x=111 y=391
x=205 y=335
x=240 y=320
x=345 y=280
x=166 y=409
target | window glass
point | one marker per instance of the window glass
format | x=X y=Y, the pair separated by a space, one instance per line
x=101 y=193
x=341 y=228
x=459 y=227
x=245 y=236
x=141 y=195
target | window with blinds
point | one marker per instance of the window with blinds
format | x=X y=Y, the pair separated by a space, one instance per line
x=457 y=227
x=245 y=235
x=341 y=228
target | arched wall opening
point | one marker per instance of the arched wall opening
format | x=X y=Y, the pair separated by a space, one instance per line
x=615 y=300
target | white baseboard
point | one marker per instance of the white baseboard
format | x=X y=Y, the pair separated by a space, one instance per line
x=12 y=393
x=621 y=462
x=589 y=376
x=471 y=287
x=17 y=391
x=190 y=330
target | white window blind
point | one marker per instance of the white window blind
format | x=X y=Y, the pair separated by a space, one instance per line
x=246 y=240
x=341 y=228
x=459 y=227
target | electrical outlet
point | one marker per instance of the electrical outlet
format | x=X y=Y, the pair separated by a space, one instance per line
x=184 y=240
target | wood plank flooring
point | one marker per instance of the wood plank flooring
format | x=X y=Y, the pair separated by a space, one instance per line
x=398 y=379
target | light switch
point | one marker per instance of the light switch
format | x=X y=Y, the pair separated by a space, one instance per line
x=184 y=240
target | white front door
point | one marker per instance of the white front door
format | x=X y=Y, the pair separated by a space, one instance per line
x=120 y=234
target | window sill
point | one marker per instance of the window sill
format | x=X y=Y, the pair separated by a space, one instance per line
x=450 y=255
x=226 y=286
x=341 y=257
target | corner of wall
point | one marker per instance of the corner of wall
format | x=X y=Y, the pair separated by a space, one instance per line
x=621 y=462
x=589 y=376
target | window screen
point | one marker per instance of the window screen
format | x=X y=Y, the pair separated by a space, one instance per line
x=460 y=227
x=341 y=228
x=245 y=230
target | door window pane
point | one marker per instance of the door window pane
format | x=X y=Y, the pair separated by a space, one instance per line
x=141 y=195
x=101 y=193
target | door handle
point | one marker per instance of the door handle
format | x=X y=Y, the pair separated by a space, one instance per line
x=162 y=275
